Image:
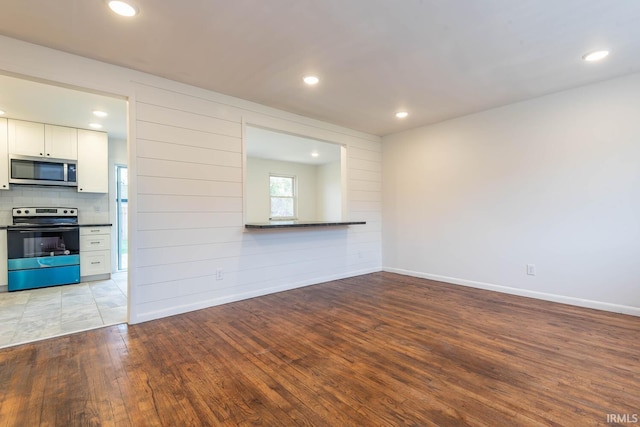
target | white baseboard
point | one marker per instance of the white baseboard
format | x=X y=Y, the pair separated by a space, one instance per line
x=172 y=311
x=95 y=277
x=598 y=305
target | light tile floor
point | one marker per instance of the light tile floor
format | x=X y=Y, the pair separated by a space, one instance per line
x=47 y=312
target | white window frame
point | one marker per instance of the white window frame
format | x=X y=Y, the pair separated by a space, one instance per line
x=294 y=197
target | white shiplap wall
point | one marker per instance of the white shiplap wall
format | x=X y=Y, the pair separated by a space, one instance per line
x=189 y=170
x=186 y=190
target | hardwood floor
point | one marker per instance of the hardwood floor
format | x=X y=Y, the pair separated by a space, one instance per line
x=375 y=350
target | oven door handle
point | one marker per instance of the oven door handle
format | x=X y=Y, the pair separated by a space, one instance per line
x=45 y=229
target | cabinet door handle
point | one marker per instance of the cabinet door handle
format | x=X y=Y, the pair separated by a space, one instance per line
x=95 y=262
x=95 y=243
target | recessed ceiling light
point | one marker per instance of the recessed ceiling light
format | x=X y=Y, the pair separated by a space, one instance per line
x=2 y=113
x=95 y=125
x=311 y=80
x=402 y=114
x=123 y=8
x=314 y=154
x=99 y=113
x=595 y=56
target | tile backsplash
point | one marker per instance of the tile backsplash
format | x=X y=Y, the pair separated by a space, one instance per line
x=92 y=208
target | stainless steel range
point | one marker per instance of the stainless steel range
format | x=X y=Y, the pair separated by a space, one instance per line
x=44 y=247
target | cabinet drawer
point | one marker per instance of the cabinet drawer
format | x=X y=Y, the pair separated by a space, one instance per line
x=92 y=263
x=99 y=242
x=88 y=231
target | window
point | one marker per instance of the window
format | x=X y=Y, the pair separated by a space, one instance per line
x=282 y=190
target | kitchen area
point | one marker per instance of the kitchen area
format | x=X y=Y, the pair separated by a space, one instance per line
x=63 y=210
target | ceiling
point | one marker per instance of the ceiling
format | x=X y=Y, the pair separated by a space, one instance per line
x=435 y=59
x=40 y=102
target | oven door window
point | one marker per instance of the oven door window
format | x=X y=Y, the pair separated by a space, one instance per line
x=32 y=244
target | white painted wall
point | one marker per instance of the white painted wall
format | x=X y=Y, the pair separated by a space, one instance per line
x=186 y=191
x=329 y=192
x=319 y=189
x=553 y=182
x=258 y=199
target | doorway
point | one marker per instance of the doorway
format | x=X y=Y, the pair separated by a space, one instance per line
x=34 y=314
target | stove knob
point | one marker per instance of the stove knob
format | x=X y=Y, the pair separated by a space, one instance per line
x=18 y=211
x=72 y=211
x=26 y=211
x=65 y=211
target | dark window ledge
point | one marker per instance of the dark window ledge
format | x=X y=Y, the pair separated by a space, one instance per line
x=300 y=224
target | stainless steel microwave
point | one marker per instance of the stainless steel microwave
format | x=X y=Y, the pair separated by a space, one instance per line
x=41 y=171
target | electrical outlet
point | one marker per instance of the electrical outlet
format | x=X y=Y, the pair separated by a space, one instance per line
x=219 y=274
x=531 y=269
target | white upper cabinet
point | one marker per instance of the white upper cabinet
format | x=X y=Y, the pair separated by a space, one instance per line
x=93 y=161
x=41 y=140
x=90 y=149
x=26 y=138
x=60 y=142
x=4 y=152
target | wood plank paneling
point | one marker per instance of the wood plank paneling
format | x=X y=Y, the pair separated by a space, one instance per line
x=198 y=171
x=297 y=125
x=367 y=144
x=163 y=238
x=365 y=154
x=181 y=136
x=361 y=185
x=380 y=349
x=187 y=120
x=179 y=203
x=212 y=252
x=365 y=196
x=188 y=187
x=363 y=175
x=191 y=104
x=170 y=251
x=364 y=206
x=190 y=209
x=183 y=153
x=365 y=165
x=180 y=220
x=248 y=267
x=203 y=290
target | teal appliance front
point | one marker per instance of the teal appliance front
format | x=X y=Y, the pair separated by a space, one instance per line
x=43 y=247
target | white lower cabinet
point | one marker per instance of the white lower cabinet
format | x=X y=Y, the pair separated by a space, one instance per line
x=94 y=263
x=95 y=251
